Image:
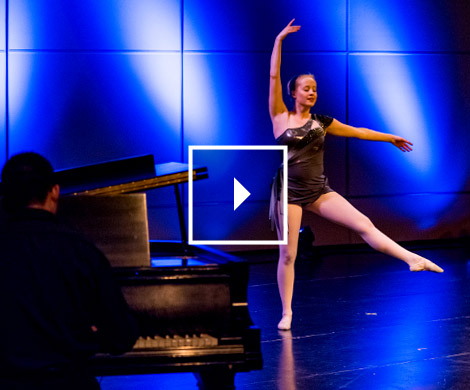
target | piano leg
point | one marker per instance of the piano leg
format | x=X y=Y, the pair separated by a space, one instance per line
x=184 y=234
x=217 y=378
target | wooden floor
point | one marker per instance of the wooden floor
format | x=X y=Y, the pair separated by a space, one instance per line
x=361 y=321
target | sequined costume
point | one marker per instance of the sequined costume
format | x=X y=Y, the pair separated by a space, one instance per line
x=306 y=181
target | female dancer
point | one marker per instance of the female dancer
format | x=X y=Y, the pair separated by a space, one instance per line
x=308 y=188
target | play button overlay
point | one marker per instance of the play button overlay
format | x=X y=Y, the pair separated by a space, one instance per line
x=240 y=194
x=232 y=205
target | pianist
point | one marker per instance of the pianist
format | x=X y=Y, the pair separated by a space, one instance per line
x=59 y=302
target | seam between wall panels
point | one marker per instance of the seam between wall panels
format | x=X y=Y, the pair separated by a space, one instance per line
x=183 y=191
x=7 y=106
x=346 y=170
x=182 y=81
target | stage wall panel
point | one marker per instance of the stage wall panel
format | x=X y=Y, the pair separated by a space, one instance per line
x=409 y=26
x=82 y=108
x=95 y=25
x=3 y=129
x=404 y=219
x=2 y=26
x=212 y=25
x=424 y=98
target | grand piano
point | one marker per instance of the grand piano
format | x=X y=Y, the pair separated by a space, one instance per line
x=190 y=302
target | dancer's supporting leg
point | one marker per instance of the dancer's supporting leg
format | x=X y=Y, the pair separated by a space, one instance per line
x=335 y=208
x=285 y=267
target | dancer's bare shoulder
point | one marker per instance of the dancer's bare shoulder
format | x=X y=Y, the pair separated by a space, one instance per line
x=280 y=123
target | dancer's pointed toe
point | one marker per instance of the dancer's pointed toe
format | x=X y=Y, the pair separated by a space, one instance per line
x=425 y=265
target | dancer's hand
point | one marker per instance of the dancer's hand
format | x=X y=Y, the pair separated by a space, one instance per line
x=289 y=29
x=401 y=143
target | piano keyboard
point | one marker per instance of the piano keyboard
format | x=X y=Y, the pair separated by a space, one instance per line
x=176 y=346
x=175 y=341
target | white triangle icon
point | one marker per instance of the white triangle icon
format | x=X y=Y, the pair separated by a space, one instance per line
x=240 y=194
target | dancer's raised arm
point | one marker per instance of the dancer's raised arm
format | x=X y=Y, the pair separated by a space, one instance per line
x=276 y=103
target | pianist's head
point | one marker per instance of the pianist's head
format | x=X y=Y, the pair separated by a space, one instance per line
x=28 y=182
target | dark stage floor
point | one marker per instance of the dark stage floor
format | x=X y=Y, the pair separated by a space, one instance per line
x=361 y=321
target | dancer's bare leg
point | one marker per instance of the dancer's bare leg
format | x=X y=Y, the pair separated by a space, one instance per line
x=285 y=267
x=335 y=208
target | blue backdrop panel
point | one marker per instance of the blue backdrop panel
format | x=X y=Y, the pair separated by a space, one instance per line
x=3 y=135
x=253 y=169
x=2 y=25
x=424 y=98
x=163 y=220
x=95 y=25
x=413 y=25
x=82 y=108
x=415 y=217
x=254 y=24
x=226 y=95
x=226 y=99
x=213 y=199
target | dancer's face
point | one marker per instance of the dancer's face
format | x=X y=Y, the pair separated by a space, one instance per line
x=305 y=91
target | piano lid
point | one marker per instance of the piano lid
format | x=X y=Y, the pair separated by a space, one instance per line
x=106 y=174
x=124 y=176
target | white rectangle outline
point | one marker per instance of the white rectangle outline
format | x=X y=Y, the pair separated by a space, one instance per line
x=283 y=148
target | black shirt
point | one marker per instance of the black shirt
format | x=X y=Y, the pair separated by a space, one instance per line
x=54 y=286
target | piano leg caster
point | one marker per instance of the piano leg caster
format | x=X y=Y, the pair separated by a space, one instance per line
x=220 y=378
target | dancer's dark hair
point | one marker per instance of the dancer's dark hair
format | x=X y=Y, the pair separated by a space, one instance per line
x=291 y=84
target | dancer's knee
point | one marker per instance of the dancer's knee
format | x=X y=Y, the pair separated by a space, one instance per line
x=364 y=226
x=287 y=258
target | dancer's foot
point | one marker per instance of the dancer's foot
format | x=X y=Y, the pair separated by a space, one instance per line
x=285 y=322
x=425 y=265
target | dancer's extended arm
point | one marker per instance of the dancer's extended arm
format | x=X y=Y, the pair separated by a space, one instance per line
x=340 y=129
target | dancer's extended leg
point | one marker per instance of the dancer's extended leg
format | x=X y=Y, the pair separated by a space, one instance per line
x=335 y=208
x=285 y=267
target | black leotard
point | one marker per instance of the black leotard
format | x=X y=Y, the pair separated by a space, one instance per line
x=306 y=181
